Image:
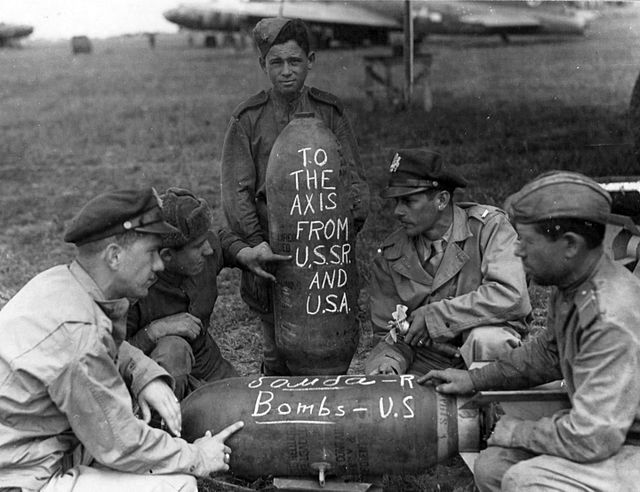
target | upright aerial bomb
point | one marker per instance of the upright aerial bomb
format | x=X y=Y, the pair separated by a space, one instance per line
x=310 y=218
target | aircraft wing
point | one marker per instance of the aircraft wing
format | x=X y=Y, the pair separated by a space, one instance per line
x=494 y=21
x=323 y=13
x=356 y=20
x=11 y=32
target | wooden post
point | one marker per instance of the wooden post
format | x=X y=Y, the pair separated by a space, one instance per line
x=408 y=53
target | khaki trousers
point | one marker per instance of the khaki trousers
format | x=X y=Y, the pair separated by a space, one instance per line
x=510 y=470
x=89 y=479
x=480 y=344
x=174 y=355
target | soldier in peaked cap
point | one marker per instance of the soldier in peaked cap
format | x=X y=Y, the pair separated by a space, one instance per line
x=286 y=59
x=67 y=378
x=454 y=268
x=171 y=323
x=592 y=341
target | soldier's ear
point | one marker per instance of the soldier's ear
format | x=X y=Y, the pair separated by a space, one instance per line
x=442 y=199
x=112 y=255
x=311 y=57
x=263 y=64
x=574 y=244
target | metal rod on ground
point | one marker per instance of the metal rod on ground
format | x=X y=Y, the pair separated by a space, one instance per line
x=408 y=53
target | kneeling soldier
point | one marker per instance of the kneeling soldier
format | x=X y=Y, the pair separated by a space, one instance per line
x=454 y=268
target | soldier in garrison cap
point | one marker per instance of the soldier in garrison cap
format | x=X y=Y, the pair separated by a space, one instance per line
x=67 y=377
x=286 y=58
x=171 y=323
x=450 y=267
x=592 y=341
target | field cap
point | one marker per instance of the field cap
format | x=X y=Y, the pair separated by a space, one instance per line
x=266 y=31
x=561 y=194
x=420 y=169
x=188 y=214
x=117 y=212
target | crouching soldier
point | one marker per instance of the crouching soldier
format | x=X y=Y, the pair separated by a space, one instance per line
x=67 y=377
x=171 y=324
x=454 y=268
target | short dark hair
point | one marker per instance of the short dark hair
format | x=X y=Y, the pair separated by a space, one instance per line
x=553 y=229
x=297 y=31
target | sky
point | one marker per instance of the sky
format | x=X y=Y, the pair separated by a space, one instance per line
x=54 y=19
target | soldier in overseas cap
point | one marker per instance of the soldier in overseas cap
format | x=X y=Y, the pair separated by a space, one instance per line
x=68 y=377
x=450 y=269
x=171 y=323
x=286 y=59
x=592 y=342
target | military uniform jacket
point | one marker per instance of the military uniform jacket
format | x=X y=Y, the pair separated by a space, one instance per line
x=592 y=340
x=174 y=293
x=480 y=282
x=252 y=131
x=65 y=378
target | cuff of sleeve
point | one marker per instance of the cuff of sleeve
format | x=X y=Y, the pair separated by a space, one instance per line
x=520 y=434
x=146 y=372
x=255 y=239
x=485 y=377
x=237 y=246
x=144 y=341
x=438 y=328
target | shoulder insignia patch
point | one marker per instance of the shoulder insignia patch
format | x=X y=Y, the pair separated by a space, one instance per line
x=588 y=307
x=254 y=101
x=327 y=98
x=480 y=212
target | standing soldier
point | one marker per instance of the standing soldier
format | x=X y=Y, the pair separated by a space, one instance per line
x=454 y=268
x=286 y=59
x=592 y=341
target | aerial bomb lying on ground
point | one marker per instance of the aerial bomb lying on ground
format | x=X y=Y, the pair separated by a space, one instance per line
x=332 y=425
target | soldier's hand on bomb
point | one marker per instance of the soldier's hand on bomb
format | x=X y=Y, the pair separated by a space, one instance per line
x=256 y=259
x=216 y=453
x=449 y=381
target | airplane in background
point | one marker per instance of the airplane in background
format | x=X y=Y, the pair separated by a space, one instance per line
x=11 y=33
x=357 y=22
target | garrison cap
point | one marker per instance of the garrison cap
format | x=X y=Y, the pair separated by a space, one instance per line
x=560 y=194
x=420 y=169
x=190 y=215
x=266 y=31
x=117 y=212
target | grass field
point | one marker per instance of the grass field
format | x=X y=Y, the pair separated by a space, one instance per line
x=128 y=116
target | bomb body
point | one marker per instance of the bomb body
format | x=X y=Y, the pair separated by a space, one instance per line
x=344 y=425
x=310 y=218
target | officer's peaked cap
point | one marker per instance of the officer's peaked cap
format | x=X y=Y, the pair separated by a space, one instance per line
x=420 y=169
